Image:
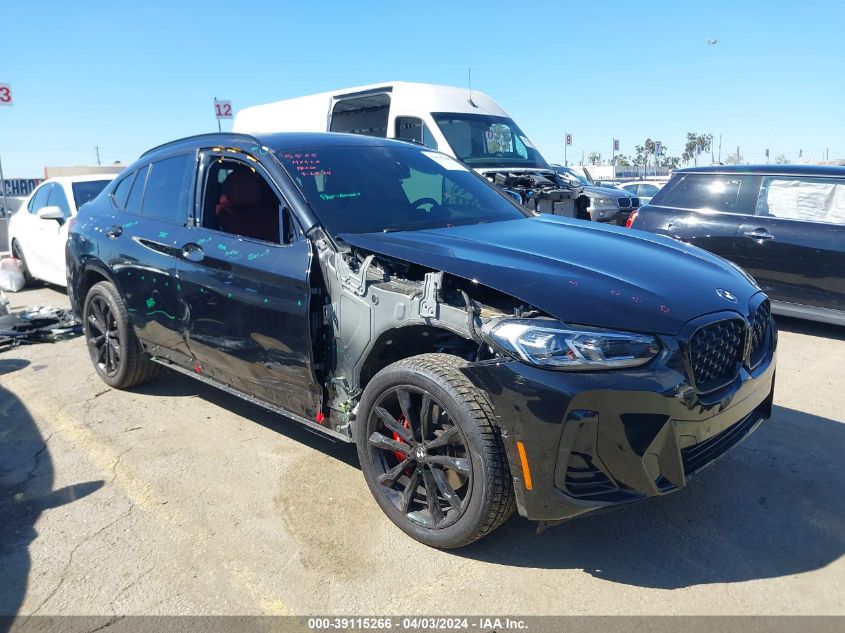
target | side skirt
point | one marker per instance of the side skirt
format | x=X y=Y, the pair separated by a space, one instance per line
x=812 y=313
x=311 y=424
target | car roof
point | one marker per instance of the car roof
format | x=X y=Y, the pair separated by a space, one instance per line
x=281 y=141
x=783 y=170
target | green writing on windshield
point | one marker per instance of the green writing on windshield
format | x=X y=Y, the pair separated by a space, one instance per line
x=332 y=196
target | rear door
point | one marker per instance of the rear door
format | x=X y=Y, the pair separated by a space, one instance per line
x=703 y=209
x=794 y=246
x=245 y=287
x=144 y=247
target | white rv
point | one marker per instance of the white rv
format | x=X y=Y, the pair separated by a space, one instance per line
x=467 y=125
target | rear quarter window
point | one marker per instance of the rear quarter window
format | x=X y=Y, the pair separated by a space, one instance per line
x=714 y=192
x=805 y=198
x=121 y=191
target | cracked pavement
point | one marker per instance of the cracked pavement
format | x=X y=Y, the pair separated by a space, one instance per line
x=178 y=499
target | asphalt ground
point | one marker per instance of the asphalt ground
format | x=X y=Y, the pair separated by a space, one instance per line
x=175 y=498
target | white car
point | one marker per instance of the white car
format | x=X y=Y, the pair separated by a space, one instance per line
x=38 y=229
x=645 y=190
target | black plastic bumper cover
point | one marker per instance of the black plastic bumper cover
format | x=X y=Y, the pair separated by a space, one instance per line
x=594 y=440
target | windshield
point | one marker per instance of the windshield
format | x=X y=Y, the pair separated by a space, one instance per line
x=488 y=141
x=86 y=191
x=371 y=189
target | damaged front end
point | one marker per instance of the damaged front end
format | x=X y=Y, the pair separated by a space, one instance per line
x=542 y=191
x=376 y=310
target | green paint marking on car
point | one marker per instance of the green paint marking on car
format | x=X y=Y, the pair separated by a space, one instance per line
x=333 y=196
x=169 y=316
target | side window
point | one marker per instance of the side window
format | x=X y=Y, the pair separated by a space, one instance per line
x=647 y=191
x=808 y=199
x=59 y=199
x=714 y=192
x=121 y=193
x=632 y=189
x=136 y=195
x=40 y=198
x=168 y=188
x=409 y=128
x=362 y=115
x=237 y=199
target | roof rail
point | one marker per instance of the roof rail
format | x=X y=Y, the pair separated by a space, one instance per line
x=219 y=136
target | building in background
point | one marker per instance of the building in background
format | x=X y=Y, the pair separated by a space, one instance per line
x=82 y=170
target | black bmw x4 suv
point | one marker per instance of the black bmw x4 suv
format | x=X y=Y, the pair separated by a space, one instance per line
x=482 y=358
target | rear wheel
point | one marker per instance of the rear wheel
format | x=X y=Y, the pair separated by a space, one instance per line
x=115 y=350
x=432 y=453
x=17 y=252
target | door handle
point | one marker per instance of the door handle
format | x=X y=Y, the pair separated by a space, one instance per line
x=193 y=252
x=115 y=230
x=759 y=234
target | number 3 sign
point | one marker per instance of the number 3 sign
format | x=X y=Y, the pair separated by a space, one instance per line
x=5 y=95
x=223 y=109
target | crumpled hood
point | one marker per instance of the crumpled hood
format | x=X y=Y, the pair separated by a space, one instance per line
x=580 y=272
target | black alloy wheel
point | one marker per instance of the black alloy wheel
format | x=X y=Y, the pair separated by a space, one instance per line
x=420 y=457
x=103 y=336
x=432 y=452
x=114 y=348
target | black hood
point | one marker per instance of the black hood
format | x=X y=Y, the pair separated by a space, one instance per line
x=579 y=272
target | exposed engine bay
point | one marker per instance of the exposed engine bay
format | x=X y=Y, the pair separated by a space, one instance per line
x=543 y=191
x=378 y=310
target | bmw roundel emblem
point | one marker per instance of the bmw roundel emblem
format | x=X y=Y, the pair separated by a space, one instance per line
x=726 y=294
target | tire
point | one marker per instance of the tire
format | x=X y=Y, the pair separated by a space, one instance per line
x=454 y=452
x=114 y=348
x=18 y=253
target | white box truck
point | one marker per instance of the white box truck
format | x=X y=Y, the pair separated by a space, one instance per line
x=467 y=125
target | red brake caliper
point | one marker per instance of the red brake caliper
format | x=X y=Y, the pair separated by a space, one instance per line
x=398 y=454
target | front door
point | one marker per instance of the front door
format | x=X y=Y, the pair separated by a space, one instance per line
x=244 y=285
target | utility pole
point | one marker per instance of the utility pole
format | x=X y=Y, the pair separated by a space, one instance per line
x=97 y=149
x=5 y=208
x=720 y=149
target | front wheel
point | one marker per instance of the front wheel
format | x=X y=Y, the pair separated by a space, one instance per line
x=17 y=252
x=432 y=452
x=115 y=350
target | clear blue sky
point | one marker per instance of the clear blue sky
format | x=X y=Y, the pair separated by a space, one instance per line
x=128 y=76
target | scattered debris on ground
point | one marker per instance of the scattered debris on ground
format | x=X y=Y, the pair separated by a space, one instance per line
x=36 y=325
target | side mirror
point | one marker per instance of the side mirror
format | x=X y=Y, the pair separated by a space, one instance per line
x=51 y=213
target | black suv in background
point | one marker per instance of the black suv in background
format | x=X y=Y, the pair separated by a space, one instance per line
x=783 y=224
x=482 y=358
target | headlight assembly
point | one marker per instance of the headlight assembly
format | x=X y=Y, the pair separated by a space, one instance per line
x=602 y=202
x=552 y=344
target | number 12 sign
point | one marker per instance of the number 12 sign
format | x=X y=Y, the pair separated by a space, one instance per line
x=5 y=95
x=223 y=109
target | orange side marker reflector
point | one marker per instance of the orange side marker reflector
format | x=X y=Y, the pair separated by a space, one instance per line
x=526 y=472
